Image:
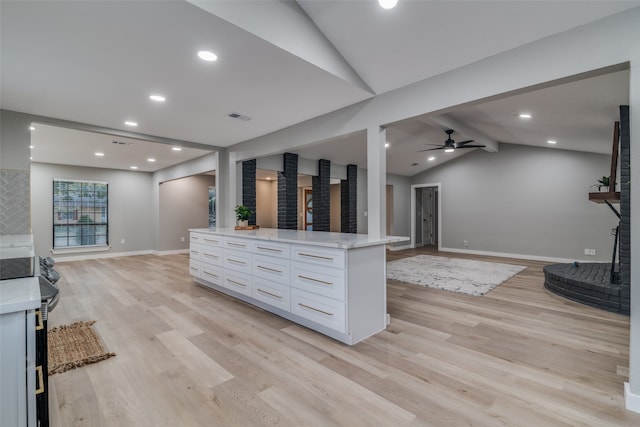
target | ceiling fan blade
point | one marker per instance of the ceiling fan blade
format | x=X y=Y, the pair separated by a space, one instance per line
x=472 y=146
x=431 y=149
x=464 y=142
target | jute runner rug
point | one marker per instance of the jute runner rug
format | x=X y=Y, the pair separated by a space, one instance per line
x=75 y=345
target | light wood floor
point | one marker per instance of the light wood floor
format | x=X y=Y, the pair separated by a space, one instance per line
x=187 y=356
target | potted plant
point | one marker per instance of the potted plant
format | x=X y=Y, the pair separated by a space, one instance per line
x=242 y=215
x=602 y=182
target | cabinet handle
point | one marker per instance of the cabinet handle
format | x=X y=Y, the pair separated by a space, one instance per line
x=40 y=324
x=194 y=269
x=270 y=269
x=235 y=261
x=315 y=280
x=236 y=283
x=269 y=293
x=315 y=309
x=40 y=377
x=211 y=256
x=210 y=241
x=316 y=256
x=238 y=245
x=269 y=249
x=210 y=274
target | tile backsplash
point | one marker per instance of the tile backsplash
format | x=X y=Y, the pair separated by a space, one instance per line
x=15 y=202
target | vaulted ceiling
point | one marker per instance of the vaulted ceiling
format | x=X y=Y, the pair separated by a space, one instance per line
x=284 y=62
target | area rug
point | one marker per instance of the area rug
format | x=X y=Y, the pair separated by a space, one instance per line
x=451 y=274
x=71 y=346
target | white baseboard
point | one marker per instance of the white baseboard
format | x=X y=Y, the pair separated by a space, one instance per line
x=174 y=252
x=84 y=257
x=516 y=256
x=631 y=400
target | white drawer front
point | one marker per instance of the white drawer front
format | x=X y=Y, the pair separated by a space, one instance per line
x=275 y=269
x=319 y=256
x=211 y=255
x=195 y=251
x=194 y=267
x=211 y=240
x=275 y=294
x=324 y=281
x=241 y=283
x=325 y=311
x=238 y=261
x=211 y=274
x=195 y=237
x=238 y=244
x=281 y=250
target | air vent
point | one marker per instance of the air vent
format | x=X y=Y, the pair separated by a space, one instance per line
x=122 y=143
x=239 y=117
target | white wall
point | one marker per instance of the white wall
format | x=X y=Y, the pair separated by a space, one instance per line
x=184 y=204
x=524 y=200
x=130 y=206
x=267 y=203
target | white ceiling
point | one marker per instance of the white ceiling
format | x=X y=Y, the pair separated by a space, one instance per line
x=285 y=62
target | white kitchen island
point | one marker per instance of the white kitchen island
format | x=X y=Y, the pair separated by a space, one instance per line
x=333 y=283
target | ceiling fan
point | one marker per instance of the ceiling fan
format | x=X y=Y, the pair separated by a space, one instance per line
x=450 y=144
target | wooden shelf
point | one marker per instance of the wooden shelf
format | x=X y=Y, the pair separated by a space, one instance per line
x=602 y=197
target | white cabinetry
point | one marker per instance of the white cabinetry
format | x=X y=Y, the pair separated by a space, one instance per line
x=338 y=291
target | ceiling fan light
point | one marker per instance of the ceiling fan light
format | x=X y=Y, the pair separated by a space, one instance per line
x=387 y=4
x=449 y=150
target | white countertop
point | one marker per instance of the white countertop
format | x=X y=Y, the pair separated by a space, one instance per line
x=315 y=238
x=19 y=294
x=16 y=246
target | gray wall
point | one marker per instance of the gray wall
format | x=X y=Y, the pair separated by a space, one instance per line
x=184 y=204
x=524 y=200
x=130 y=206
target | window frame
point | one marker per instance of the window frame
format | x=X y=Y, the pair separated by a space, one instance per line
x=81 y=210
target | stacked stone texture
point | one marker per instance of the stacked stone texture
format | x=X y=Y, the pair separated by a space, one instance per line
x=625 y=210
x=249 y=188
x=288 y=193
x=322 y=197
x=348 y=200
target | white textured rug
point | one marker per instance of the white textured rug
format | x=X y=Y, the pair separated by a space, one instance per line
x=451 y=274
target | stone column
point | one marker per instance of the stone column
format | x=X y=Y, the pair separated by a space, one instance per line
x=348 y=199
x=249 y=188
x=322 y=197
x=288 y=193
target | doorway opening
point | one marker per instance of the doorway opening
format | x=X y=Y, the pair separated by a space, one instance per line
x=425 y=215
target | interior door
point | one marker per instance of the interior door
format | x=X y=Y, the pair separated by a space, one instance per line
x=419 y=218
x=428 y=215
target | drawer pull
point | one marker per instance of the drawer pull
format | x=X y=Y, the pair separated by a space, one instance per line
x=40 y=324
x=40 y=388
x=269 y=249
x=238 y=245
x=194 y=269
x=210 y=274
x=210 y=240
x=193 y=251
x=211 y=256
x=233 y=282
x=315 y=309
x=269 y=293
x=315 y=280
x=328 y=258
x=270 y=269
x=235 y=261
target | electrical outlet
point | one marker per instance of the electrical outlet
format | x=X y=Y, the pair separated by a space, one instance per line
x=182 y=239
x=122 y=241
x=586 y=251
x=466 y=243
x=592 y=252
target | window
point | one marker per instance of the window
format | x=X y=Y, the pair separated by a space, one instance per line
x=80 y=213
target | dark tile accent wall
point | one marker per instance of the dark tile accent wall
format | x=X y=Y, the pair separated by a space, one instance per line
x=322 y=197
x=348 y=201
x=288 y=193
x=249 y=188
x=625 y=210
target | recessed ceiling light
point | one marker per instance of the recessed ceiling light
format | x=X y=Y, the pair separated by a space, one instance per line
x=525 y=115
x=206 y=55
x=32 y=128
x=551 y=141
x=449 y=150
x=151 y=160
x=30 y=158
x=133 y=167
x=387 y=4
x=176 y=148
x=130 y=123
x=386 y=145
x=98 y=153
x=431 y=159
x=31 y=147
x=157 y=98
